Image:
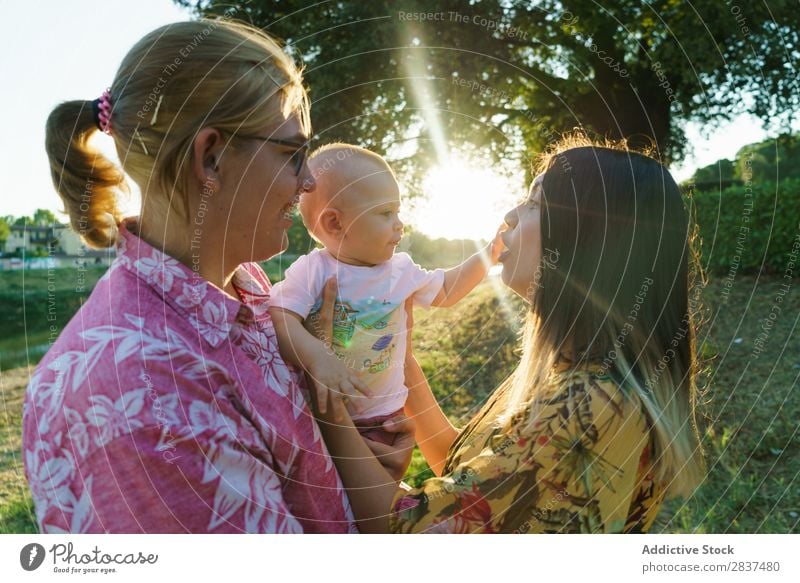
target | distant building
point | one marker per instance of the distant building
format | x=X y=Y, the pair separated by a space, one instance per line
x=70 y=243
x=57 y=239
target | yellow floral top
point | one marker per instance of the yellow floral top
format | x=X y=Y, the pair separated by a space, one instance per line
x=583 y=467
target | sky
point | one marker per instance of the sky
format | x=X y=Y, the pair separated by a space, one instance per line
x=70 y=51
x=73 y=51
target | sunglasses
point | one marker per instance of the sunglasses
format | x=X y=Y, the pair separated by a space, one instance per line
x=299 y=156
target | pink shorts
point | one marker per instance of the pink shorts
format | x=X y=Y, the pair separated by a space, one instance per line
x=372 y=428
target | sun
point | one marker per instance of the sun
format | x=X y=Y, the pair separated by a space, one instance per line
x=463 y=199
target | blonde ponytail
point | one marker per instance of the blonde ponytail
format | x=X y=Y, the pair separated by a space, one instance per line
x=85 y=179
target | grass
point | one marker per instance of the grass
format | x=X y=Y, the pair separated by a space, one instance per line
x=32 y=301
x=16 y=508
x=752 y=407
x=751 y=404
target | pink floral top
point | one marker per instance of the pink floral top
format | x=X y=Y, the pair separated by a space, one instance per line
x=164 y=406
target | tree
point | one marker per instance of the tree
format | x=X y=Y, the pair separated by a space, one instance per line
x=510 y=73
x=767 y=161
x=770 y=160
x=720 y=172
x=40 y=218
x=44 y=218
x=5 y=231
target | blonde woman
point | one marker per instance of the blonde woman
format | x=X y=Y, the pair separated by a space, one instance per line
x=596 y=425
x=164 y=405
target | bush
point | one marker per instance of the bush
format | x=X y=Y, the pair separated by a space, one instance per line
x=749 y=228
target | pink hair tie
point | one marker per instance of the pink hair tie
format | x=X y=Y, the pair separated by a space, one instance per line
x=102 y=112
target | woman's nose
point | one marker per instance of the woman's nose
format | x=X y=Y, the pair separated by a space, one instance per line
x=398 y=224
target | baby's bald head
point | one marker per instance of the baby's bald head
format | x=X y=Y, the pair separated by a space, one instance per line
x=346 y=176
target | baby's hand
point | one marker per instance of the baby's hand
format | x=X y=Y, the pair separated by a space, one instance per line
x=334 y=380
x=495 y=248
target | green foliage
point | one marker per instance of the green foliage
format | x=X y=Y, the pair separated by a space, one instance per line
x=419 y=470
x=500 y=72
x=40 y=218
x=31 y=301
x=748 y=227
x=774 y=158
x=5 y=230
x=721 y=171
x=17 y=516
x=275 y=267
x=770 y=160
x=300 y=241
x=433 y=253
x=43 y=218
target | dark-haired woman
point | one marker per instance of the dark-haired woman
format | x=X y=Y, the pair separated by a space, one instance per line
x=596 y=425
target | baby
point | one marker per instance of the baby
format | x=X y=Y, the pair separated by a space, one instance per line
x=354 y=213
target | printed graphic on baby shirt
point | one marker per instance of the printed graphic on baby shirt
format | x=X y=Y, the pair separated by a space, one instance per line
x=365 y=333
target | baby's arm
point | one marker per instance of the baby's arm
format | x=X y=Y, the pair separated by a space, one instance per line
x=462 y=279
x=316 y=357
x=297 y=346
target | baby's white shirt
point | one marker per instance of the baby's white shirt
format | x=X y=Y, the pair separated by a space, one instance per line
x=369 y=327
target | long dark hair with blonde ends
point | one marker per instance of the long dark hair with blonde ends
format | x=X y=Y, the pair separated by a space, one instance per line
x=174 y=81
x=615 y=292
